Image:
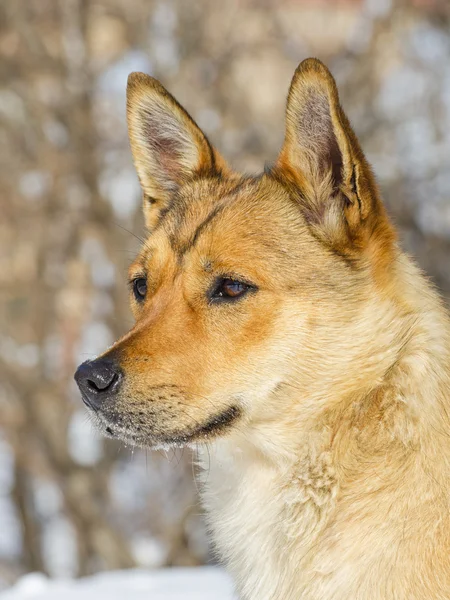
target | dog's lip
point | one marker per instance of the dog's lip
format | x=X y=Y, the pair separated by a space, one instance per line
x=203 y=432
x=105 y=424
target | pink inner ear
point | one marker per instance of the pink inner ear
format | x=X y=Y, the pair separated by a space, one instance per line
x=164 y=140
x=315 y=132
x=168 y=154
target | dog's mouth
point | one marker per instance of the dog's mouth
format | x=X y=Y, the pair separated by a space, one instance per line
x=112 y=426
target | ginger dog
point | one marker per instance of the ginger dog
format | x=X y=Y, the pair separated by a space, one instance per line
x=280 y=327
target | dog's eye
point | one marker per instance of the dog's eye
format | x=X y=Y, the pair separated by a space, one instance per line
x=140 y=288
x=230 y=289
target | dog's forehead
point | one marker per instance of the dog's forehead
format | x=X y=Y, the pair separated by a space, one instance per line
x=189 y=212
x=199 y=202
x=200 y=207
x=240 y=219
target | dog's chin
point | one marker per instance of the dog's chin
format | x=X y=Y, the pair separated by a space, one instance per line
x=215 y=426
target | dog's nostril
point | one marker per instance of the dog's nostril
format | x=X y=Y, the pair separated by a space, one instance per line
x=102 y=380
x=98 y=381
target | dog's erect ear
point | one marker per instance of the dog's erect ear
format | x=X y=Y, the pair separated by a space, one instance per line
x=321 y=157
x=168 y=147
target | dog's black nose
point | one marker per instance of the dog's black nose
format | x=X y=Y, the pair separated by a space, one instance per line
x=98 y=381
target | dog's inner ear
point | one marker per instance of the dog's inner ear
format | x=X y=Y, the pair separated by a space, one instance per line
x=168 y=148
x=322 y=158
x=313 y=130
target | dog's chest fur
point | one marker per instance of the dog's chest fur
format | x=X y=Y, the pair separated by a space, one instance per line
x=263 y=521
x=300 y=533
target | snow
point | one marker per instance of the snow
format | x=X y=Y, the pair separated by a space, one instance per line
x=201 y=583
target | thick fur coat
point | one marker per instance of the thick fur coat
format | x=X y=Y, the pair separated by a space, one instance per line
x=282 y=333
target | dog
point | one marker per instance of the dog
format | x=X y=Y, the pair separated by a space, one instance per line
x=283 y=334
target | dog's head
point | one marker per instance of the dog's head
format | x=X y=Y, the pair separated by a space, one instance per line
x=248 y=290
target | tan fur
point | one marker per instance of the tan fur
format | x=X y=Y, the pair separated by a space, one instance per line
x=329 y=476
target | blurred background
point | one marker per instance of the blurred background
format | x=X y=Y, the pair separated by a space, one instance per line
x=71 y=503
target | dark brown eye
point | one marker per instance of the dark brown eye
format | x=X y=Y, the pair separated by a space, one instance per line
x=140 y=288
x=230 y=289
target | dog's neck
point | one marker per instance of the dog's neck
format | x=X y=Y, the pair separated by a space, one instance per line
x=300 y=493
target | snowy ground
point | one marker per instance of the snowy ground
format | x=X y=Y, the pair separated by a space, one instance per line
x=201 y=583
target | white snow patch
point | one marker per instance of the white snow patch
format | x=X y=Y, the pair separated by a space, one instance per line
x=102 y=269
x=25 y=355
x=85 y=445
x=35 y=184
x=149 y=552
x=60 y=547
x=95 y=338
x=430 y=44
x=202 y=583
x=404 y=91
x=122 y=190
x=113 y=80
x=11 y=536
x=47 y=498
x=56 y=133
x=163 y=37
